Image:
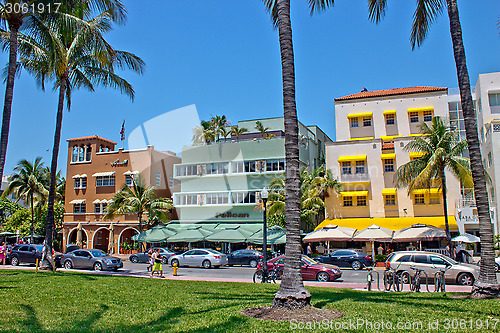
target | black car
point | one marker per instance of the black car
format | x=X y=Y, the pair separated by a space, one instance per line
x=143 y=256
x=245 y=257
x=347 y=258
x=25 y=254
x=69 y=248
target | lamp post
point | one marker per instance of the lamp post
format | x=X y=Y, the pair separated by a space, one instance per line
x=264 y=195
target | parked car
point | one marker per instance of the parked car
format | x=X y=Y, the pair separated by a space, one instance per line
x=311 y=270
x=90 y=259
x=347 y=258
x=24 y=254
x=69 y=248
x=244 y=257
x=430 y=263
x=143 y=256
x=199 y=258
x=497 y=266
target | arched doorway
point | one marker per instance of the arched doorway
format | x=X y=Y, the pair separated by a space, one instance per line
x=126 y=237
x=73 y=234
x=101 y=239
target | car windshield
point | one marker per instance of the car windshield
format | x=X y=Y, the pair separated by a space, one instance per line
x=308 y=260
x=97 y=253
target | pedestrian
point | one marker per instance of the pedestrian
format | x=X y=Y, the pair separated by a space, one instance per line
x=309 y=250
x=3 y=253
x=151 y=260
x=157 y=267
x=387 y=250
x=447 y=250
x=380 y=250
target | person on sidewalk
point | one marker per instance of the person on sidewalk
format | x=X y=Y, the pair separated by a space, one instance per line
x=3 y=253
x=151 y=260
x=157 y=264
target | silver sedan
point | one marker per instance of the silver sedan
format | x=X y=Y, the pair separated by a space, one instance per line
x=199 y=258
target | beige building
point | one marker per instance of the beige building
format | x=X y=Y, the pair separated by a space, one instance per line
x=95 y=172
x=372 y=129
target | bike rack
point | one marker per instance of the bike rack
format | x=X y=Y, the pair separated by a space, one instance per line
x=426 y=282
x=437 y=286
x=369 y=280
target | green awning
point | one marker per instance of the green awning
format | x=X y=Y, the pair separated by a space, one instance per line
x=230 y=235
x=275 y=235
x=193 y=234
x=156 y=234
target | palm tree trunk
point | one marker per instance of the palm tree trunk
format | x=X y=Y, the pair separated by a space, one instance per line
x=140 y=228
x=292 y=293
x=487 y=281
x=48 y=261
x=32 y=228
x=14 y=24
x=445 y=208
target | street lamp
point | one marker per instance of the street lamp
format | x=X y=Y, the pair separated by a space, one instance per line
x=264 y=195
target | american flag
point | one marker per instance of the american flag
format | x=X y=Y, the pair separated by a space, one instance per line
x=122 y=132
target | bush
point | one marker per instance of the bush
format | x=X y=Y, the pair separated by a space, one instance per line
x=380 y=258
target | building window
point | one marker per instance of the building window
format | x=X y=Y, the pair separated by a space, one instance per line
x=390 y=200
x=217 y=198
x=346 y=168
x=97 y=208
x=361 y=201
x=77 y=183
x=390 y=119
x=347 y=201
x=88 y=153
x=413 y=117
x=494 y=99
x=74 y=155
x=490 y=159
x=496 y=127
x=128 y=180
x=419 y=199
x=158 y=178
x=187 y=199
x=244 y=197
x=83 y=182
x=216 y=168
x=367 y=121
x=186 y=170
x=171 y=182
x=360 y=167
x=104 y=206
x=81 y=154
x=354 y=122
x=275 y=165
x=389 y=165
x=79 y=208
x=427 y=115
x=250 y=166
x=105 y=181
x=434 y=199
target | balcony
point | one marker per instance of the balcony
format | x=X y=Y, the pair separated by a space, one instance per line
x=355 y=178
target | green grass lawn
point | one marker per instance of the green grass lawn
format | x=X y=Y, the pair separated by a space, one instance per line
x=71 y=302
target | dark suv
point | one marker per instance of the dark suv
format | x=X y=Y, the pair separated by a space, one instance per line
x=346 y=258
x=25 y=254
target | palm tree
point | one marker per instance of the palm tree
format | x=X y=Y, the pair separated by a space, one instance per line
x=139 y=200
x=73 y=56
x=442 y=150
x=224 y=132
x=263 y=130
x=425 y=14
x=217 y=124
x=235 y=130
x=14 y=19
x=27 y=184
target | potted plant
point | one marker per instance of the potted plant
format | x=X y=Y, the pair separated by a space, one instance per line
x=380 y=260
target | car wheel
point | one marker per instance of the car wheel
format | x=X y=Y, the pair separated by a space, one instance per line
x=68 y=264
x=14 y=261
x=323 y=277
x=97 y=266
x=465 y=279
x=164 y=260
x=174 y=262
x=405 y=277
x=206 y=264
x=253 y=263
x=134 y=259
x=356 y=265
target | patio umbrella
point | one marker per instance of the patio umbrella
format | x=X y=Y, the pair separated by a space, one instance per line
x=156 y=234
x=466 y=238
x=79 y=236
x=111 y=245
x=275 y=235
x=232 y=234
x=194 y=233
x=330 y=233
x=372 y=234
x=419 y=232
x=6 y=234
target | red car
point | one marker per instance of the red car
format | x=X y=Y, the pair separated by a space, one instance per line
x=311 y=270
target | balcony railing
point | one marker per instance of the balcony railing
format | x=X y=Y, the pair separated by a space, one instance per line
x=355 y=178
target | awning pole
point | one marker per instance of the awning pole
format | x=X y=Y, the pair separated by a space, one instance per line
x=373 y=250
x=328 y=246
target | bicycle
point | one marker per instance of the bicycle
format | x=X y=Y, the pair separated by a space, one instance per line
x=274 y=274
x=392 y=280
x=440 y=281
x=415 y=281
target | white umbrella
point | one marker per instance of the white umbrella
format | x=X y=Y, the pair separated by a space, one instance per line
x=330 y=233
x=373 y=233
x=466 y=238
x=419 y=232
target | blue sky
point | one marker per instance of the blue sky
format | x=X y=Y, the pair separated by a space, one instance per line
x=223 y=56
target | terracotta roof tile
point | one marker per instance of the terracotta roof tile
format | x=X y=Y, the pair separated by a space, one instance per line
x=390 y=92
x=90 y=138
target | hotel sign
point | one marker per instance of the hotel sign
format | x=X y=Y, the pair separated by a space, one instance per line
x=231 y=215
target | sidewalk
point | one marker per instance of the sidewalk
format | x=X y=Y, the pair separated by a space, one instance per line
x=180 y=277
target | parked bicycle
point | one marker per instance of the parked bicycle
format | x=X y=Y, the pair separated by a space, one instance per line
x=439 y=280
x=392 y=279
x=415 y=282
x=274 y=274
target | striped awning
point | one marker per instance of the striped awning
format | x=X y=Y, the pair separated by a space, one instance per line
x=360 y=114
x=103 y=174
x=77 y=201
x=392 y=223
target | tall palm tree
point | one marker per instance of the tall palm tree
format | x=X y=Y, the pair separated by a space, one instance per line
x=259 y=126
x=224 y=132
x=235 y=130
x=139 y=200
x=73 y=56
x=27 y=183
x=425 y=14
x=442 y=150
x=13 y=20
x=218 y=123
x=292 y=293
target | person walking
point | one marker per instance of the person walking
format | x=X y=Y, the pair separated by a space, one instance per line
x=309 y=250
x=157 y=267
x=3 y=253
x=151 y=260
